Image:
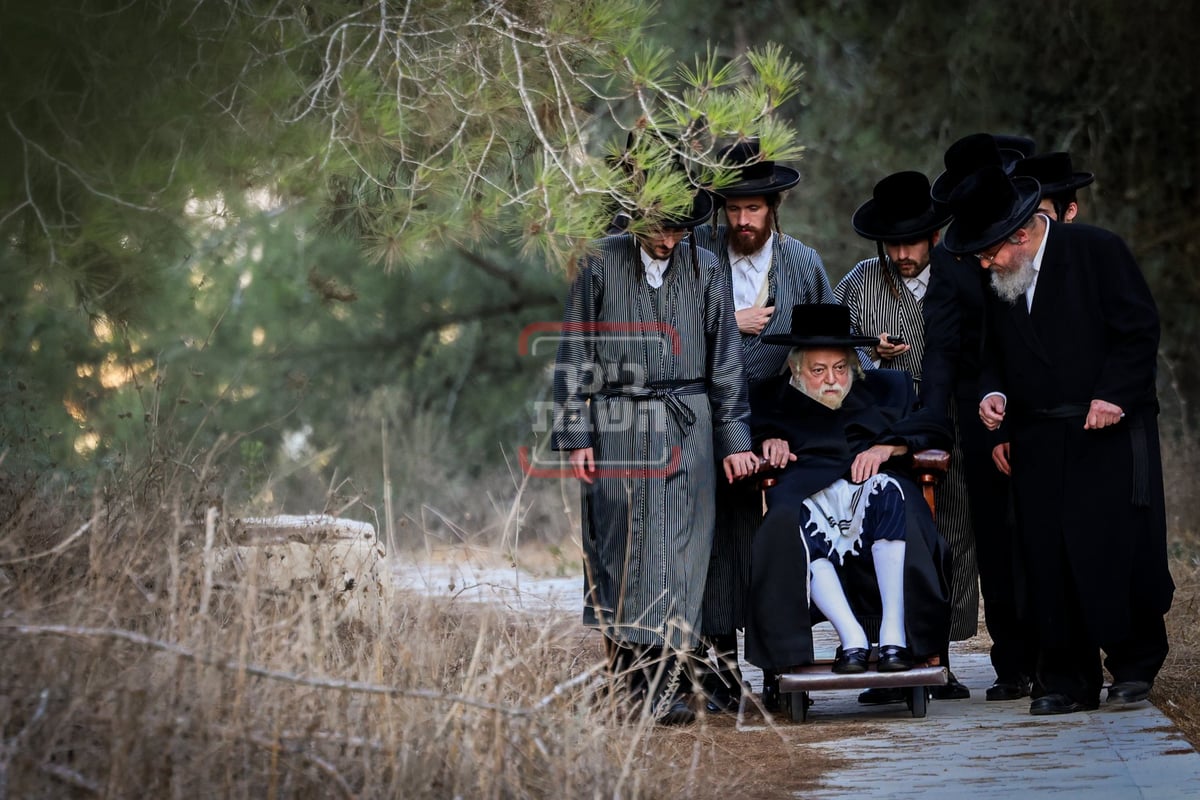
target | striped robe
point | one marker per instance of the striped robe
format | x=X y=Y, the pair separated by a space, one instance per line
x=648 y=517
x=873 y=309
x=796 y=276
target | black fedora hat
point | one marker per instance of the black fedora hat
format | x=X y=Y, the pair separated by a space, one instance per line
x=816 y=325
x=760 y=177
x=988 y=206
x=900 y=210
x=1054 y=172
x=968 y=154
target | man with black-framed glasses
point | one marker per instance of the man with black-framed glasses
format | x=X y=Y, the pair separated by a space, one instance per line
x=1069 y=368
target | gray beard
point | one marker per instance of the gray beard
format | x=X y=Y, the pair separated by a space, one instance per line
x=1008 y=286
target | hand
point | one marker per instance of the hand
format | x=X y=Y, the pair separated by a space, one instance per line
x=868 y=462
x=991 y=411
x=583 y=464
x=776 y=453
x=739 y=465
x=887 y=350
x=752 y=320
x=1000 y=458
x=1101 y=414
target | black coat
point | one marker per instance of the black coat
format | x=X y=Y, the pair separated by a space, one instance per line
x=1089 y=503
x=879 y=409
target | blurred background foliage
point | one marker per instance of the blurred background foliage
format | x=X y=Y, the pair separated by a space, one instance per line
x=268 y=243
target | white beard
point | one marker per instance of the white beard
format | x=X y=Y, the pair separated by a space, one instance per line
x=829 y=400
x=1008 y=286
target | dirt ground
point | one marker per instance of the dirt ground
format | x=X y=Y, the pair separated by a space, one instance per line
x=759 y=757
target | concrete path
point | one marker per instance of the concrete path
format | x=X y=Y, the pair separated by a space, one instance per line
x=980 y=750
x=963 y=749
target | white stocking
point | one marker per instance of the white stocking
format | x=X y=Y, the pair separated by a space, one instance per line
x=889 y=572
x=828 y=596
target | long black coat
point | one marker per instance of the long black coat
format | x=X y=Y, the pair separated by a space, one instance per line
x=1089 y=503
x=879 y=409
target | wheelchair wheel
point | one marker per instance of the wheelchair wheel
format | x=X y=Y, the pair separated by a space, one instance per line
x=797 y=705
x=918 y=701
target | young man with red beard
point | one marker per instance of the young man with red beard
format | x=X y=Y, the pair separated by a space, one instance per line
x=771 y=273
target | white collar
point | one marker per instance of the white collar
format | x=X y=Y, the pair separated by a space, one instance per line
x=655 y=268
x=757 y=261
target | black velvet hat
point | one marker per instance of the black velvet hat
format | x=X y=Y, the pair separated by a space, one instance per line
x=967 y=155
x=818 y=325
x=988 y=206
x=1054 y=172
x=761 y=177
x=900 y=210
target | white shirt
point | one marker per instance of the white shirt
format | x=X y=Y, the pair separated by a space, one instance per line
x=749 y=272
x=655 y=267
x=918 y=283
x=1037 y=265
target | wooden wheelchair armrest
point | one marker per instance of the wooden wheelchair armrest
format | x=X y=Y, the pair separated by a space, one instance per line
x=930 y=467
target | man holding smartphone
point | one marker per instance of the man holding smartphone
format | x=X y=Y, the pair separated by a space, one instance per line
x=771 y=273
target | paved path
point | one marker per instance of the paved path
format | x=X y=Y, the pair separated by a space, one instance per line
x=981 y=750
x=962 y=749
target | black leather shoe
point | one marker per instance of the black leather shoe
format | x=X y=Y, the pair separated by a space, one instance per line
x=678 y=713
x=1124 y=692
x=1005 y=689
x=1056 y=703
x=880 y=696
x=893 y=658
x=854 y=660
x=723 y=699
x=770 y=693
x=951 y=690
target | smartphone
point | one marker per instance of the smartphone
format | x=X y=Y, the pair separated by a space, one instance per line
x=895 y=340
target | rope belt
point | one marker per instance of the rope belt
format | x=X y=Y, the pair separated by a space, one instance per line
x=1139 y=452
x=668 y=392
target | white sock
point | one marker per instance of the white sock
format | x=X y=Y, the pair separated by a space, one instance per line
x=828 y=596
x=889 y=572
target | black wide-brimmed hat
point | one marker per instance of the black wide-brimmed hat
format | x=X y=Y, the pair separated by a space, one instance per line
x=1054 y=172
x=703 y=201
x=1021 y=144
x=760 y=177
x=818 y=325
x=701 y=212
x=967 y=155
x=988 y=206
x=900 y=210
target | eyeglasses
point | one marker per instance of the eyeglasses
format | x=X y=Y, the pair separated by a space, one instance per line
x=990 y=258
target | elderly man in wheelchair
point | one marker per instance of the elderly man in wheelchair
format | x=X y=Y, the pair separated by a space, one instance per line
x=847 y=535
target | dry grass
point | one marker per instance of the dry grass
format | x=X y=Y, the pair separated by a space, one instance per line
x=114 y=683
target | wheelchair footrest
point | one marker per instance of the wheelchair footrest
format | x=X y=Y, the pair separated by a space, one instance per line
x=818 y=676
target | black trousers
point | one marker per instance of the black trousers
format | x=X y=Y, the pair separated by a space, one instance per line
x=1070 y=663
x=1001 y=577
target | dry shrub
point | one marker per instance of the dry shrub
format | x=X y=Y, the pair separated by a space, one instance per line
x=123 y=674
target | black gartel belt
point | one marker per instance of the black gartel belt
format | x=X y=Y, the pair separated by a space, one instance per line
x=1139 y=452
x=668 y=392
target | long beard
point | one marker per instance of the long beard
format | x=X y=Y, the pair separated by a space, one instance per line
x=832 y=399
x=748 y=245
x=1008 y=286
